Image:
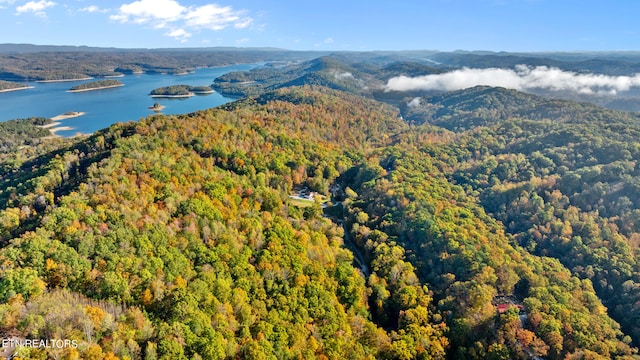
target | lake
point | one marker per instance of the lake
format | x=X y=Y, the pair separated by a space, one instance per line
x=108 y=106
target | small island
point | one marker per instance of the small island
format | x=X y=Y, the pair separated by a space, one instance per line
x=70 y=78
x=6 y=86
x=180 y=91
x=96 y=85
x=156 y=107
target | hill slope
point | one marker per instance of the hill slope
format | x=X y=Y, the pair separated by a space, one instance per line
x=483 y=106
x=334 y=71
x=185 y=222
x=561 y=176
x=176 y=237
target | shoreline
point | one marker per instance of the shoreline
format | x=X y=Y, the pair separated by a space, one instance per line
x=173 y=96
x=67 y=116
x=97 y=88
x=51 y=125
x=54 y=127
x=53 y=130
x=157 y=108
x=16 y=89
x=63 y=80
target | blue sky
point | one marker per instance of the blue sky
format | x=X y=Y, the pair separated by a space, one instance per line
x=498 y=25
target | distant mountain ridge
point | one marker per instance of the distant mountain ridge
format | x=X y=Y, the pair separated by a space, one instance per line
x=483 y=105
x=626 y=65
x=332 y=71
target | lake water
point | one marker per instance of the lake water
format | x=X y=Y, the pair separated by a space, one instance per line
x=109 y=106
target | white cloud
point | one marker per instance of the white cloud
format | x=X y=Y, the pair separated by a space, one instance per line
x=179 y=34
x=171 y=14
x=215 y=17
x=343 y=75
x=414 y=102
x=145 y=11
x=520 y=78
x=93 y=9
x=244 y=23
x=35 y=7
x=328 y=40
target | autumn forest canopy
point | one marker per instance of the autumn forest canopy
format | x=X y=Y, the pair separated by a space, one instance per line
x=321 y=217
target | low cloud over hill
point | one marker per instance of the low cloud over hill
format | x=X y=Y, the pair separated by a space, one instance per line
x=520 y=78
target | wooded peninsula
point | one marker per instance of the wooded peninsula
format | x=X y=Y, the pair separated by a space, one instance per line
x=96 y=85
x=11 y=86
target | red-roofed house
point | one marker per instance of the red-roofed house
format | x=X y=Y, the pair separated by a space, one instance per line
x=502 y=308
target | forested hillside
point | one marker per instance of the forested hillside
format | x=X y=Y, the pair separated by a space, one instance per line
x=365 y=77
x=176 y=237
x=173 y=238
x=10 y=85
x=561 y=176
x=29 y=136
x=485 y=106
